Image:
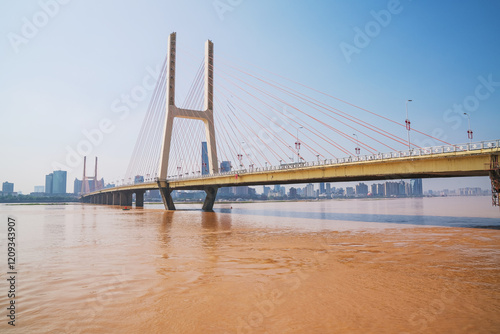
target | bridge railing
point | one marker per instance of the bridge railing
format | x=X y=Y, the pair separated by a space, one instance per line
x=378 y=156
x=414 y=152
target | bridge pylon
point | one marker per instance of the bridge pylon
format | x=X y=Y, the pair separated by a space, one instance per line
x=172 y=111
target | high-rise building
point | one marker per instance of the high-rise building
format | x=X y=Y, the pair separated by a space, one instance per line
x=49 y=181
x=391 y=189
x=205 y=166
x=349 y=191
x=242 y=190
x=310 y=190
x=59 y=182
x=7 y=188
x=266 y=190
x=322 y=188
x=380 y=189
x=328 y=188
x=226 y=191
x=55 y=182
x=408 y=190
x=39 y=189
x=374 y=189
x=416 y=187
x=225 y=166
x=292 y=193
x=77 y=186
x=361 y=189
x=402 y=188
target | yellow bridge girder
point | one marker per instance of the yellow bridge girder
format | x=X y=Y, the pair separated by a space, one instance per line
x=453 y=164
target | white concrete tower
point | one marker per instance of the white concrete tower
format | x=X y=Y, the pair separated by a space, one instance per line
x=207 y=115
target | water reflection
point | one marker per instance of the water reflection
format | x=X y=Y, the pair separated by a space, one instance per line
x=165 y=226
x=451 y=221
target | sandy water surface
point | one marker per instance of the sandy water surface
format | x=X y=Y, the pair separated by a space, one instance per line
x=427 y=265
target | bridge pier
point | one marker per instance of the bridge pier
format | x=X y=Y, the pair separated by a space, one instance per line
x=126 y=198
x=495 y=180
x=208 y=205
x=166 y=196
x=139 y=198
x=116 y=198
x=109 y=198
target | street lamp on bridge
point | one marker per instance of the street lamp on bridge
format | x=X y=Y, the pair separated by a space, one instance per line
x=240 y=158
x=297 y=143
x=357 y=149
x=469 y=131
x=407 y=121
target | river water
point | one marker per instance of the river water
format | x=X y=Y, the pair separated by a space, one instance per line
x=428 y=265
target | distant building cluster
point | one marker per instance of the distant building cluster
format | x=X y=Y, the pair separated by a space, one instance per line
x=91 y=185
x=460 y=192
x=387 y=189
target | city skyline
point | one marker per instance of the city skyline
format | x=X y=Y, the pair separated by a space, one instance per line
x=75 y=91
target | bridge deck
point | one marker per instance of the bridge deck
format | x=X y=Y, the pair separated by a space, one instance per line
x=451 y=164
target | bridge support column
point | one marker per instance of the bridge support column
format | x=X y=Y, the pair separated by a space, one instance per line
x=495 y=180
x=208 y=205
x=139 y=199
x=126 y=198
x=116 y=198
x=109 y=198
x=166 y=196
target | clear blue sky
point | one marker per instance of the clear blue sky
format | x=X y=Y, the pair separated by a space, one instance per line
x=62 y=77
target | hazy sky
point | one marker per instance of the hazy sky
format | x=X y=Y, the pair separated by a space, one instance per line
x=64 y=64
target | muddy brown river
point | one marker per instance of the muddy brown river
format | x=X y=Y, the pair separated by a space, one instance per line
x=429 y=265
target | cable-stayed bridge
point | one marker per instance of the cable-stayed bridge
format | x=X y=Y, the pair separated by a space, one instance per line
x=245 y=129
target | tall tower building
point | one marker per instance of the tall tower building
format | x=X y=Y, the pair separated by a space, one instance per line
x=48 y=183
x=416 y=187
x=205 y=166
x=59 y=182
